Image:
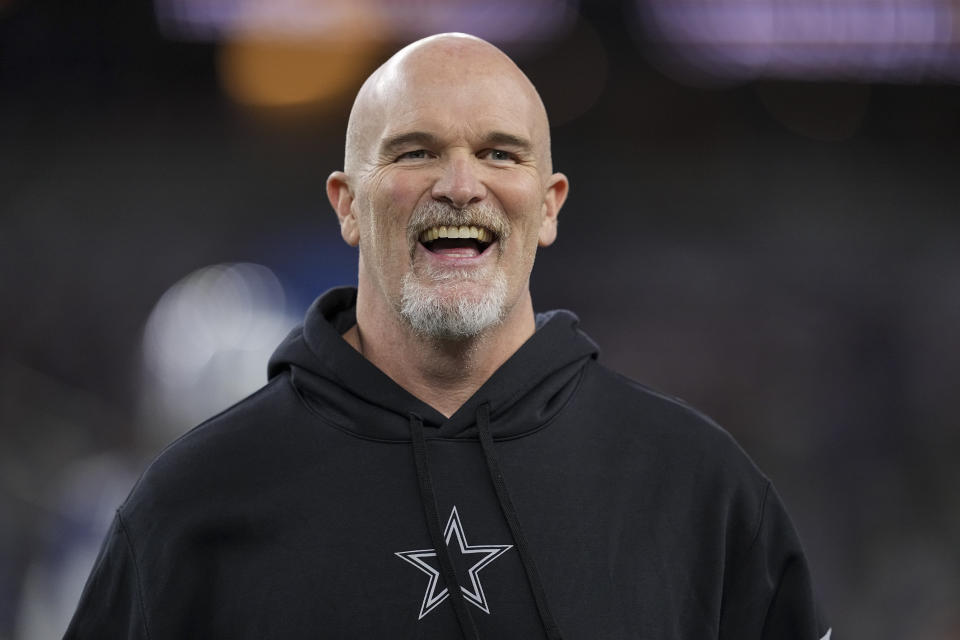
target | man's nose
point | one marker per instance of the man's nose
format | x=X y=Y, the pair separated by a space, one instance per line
x=460 y=185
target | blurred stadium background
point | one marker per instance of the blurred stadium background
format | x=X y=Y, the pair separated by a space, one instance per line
x=763 y=221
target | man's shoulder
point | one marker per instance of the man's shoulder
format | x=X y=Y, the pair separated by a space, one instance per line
x=218 y=453
x=656 y=408
x=247 y=419
x=637 y=412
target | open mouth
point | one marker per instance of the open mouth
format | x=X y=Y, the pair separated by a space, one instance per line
x=466 y=241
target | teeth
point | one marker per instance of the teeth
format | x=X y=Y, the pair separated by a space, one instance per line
x=443 y=231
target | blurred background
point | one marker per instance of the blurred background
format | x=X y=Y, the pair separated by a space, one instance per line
x=763 y=221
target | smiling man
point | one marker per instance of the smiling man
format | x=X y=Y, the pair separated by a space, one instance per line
x=448 y=189
x=432 y=459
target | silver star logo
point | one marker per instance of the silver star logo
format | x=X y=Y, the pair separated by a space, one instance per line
x=482 y=554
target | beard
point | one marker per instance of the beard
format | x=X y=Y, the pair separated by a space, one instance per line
x=452 y=313
x=454 y=304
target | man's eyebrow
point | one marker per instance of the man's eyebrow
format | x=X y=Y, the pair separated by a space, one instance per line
x=394 y=143
x=419 y=138
x=502 y=139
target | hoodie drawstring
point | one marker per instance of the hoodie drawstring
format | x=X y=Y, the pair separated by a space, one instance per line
x=510 y=513
x=432 y=513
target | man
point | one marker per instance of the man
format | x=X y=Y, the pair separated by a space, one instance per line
x=430 y=459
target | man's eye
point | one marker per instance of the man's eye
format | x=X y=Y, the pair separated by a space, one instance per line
x=418 y=154
x=499 y=155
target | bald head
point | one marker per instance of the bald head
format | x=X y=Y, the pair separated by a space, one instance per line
x=435 y=67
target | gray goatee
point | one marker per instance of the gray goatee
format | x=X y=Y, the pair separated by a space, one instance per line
x=444 y=304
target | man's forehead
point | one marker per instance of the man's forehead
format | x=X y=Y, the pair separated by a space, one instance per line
x=474 y=109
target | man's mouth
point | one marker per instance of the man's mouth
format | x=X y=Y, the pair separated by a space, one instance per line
x=465 y=241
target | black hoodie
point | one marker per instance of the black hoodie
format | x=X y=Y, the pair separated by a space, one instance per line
x=564 y=500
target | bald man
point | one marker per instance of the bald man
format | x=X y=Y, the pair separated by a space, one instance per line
x=447 y=135
x=432 y=459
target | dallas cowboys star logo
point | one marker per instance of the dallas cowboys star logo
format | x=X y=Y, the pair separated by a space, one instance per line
x=482 y=554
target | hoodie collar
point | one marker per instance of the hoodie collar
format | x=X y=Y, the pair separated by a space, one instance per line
x=349 y=391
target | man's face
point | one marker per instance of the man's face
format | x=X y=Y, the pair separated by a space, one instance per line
x=452 y=153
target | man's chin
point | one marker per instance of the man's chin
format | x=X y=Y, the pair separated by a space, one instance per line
x=453 y=310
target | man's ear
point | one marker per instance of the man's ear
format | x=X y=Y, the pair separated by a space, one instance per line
x=341 y=199
x=556 y=194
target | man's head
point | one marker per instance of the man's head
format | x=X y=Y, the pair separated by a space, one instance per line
x=448 y=136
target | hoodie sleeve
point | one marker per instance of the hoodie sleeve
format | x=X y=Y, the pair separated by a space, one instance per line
x=770 y=595
x=111 y=605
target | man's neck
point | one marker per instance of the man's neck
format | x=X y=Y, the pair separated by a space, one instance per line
x=442 y=373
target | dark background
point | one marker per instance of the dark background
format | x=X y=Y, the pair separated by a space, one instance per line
x=781 y=253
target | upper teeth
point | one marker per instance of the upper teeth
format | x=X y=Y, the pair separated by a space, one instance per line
x=479 y=233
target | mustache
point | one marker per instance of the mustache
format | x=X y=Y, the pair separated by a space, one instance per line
x=436 y=213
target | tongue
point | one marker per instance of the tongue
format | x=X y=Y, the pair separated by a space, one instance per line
x=456 y=248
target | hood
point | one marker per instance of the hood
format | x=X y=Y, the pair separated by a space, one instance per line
x=530 y=388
